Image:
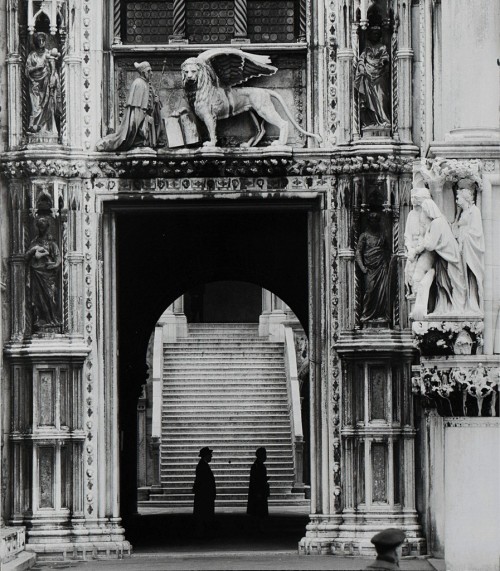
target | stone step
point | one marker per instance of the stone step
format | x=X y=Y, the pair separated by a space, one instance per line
x=238 y=421
x=227 y=344
x=219 y=392
x=225 y=359
x=249 y=351
x=195 y=438
x=157 y=500
x=229 y=407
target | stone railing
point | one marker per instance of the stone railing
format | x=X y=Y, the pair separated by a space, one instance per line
x=459 y=386
x=294 y=408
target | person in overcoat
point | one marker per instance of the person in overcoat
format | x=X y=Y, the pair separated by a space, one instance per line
x=258 y=490
x=204 y=491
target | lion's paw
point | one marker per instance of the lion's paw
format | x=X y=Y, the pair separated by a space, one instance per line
x=209 y=144
x=278 y=144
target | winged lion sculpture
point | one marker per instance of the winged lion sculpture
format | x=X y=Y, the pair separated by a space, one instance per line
x=208 y=82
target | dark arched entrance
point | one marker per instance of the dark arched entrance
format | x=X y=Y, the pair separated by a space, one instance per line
x=162 y=253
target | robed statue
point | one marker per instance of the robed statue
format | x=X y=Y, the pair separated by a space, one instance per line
x=372 y=82
x=44 y=87
x=44 y=261
x=142 y=124
x=372 y=257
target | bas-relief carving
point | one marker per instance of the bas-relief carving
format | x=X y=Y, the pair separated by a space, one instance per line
x=142 y=124
x=44 y=91
x=44 y=260
x=210 y=89
x=445 y=268
x=209 y=80
x=459 y=391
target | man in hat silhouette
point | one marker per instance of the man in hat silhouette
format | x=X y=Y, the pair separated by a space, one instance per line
x=388 y=544
x=204 y=494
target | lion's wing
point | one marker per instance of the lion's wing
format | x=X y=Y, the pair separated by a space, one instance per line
x=234 y=66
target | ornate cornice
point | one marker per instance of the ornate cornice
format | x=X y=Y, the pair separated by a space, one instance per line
x=198 y=163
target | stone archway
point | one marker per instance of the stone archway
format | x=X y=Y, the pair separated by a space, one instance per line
x=199 y=245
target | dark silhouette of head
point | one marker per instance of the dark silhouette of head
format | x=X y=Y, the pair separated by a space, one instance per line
x=261 y=454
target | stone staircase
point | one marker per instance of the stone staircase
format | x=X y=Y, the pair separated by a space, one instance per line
x=225 y=387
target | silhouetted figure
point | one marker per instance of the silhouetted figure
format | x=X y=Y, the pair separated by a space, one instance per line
x=204 y=494
x=388 y=544
x=258 y=490
x=197 y=301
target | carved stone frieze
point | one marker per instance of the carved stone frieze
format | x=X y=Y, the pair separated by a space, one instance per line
x=466 y=390
x=192 y=163
x=448 y=337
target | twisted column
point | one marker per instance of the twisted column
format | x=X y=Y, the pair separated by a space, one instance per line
x=65 y=271
x=117 y=18
x=395 y=98
x=64 y=95
x=302 y=20
x=240 y=18
x=179 y=20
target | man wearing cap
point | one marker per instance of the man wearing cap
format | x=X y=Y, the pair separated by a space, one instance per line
x=142 y=124
x=388 y=544
x=204 y=494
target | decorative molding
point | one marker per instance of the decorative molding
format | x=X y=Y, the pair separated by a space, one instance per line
x=200 y=163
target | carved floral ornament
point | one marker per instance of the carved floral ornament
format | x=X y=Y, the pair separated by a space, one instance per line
x=452 y=390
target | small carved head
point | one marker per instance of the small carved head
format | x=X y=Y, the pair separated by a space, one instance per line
x=190 y=70
x=465 y=192
x=40 y=40
x=42 y=225
x=418 y=195
x=144 y=69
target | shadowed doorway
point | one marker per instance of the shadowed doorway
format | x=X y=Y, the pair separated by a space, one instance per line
x=161 y=255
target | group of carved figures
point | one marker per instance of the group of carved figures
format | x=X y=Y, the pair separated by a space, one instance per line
x=445 y=267
x=445 y=262
x=209 y=82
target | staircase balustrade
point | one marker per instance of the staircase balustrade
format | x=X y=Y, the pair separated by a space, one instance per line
x=293 y=390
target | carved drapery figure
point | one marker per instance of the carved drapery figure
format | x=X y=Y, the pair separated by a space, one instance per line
x=468 y=229
x=44 y=260
x=372 y=257
x=439 y=263
x=142 y=124
x=44 y=87
x=414 y=232
x=372 y=81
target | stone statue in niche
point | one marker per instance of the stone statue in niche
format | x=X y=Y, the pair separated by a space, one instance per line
x=372 y=256
x=372 y=82
x=142 y=124
x=438 y=264
x=208 y=82
x=414 y=232
x=468 y=229
x=44 y=88
x=44 y=260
